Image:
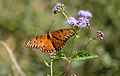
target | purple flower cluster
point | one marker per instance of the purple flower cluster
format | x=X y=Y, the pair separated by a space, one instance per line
x=71 y=21
x=82 y=20
x=58 y=8
x=84 y=13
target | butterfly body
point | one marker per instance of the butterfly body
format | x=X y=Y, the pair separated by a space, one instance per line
x=52 y=41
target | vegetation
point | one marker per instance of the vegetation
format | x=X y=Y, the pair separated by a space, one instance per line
x=24 y=19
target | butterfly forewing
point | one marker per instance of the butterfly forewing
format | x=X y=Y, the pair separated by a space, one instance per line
x=63 y=34
x=41 y=42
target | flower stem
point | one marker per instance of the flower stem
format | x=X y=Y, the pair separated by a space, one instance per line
x=68 y=64
x=83 y=48
x=65 y=15
x=51 y=67
x=72 y=47
x=78 y=31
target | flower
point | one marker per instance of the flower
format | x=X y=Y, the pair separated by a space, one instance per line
x=52 y=54
x=82 y=22
x=84 y=13
x=100 y=34
x=83 y=19
x=73 y=75
x=58 y=8
x=71 y=21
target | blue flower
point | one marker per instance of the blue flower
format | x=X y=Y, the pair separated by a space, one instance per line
x=71 y=21
x=80 y=22
x=84 y=13
x=83 y=22
x=58 y=8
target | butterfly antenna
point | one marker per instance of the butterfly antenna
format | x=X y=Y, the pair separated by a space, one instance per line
x=50 y=25
x=38 y=27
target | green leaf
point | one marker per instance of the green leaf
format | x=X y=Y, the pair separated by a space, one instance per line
x=59 y=74
x=46 y=63
x=83 y=55
x=91 y=38
x=77 y=36
x=59 y=56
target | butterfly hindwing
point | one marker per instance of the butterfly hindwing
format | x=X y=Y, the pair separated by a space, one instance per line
x=60 y=37
x=48 y=46
x=58 y=44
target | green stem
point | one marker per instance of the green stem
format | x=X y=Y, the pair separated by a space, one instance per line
x=83 y=48
x=72 y=47
x=51 y=67
x=79 y=30
x=68 y=64
x=65 y=15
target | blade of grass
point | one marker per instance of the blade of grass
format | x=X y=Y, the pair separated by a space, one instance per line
x=12 y=57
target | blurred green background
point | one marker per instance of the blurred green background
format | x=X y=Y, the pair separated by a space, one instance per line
x=24 y=19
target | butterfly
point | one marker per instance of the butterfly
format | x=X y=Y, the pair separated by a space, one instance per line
x=52 y=41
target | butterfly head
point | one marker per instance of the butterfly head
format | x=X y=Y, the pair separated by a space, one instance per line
x=49 y=35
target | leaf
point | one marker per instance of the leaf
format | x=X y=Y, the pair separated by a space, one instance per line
x=77 y=36
x=91 y=38
x=59 y=74
x=46 y=63
x=59 y=56
x=83 y=55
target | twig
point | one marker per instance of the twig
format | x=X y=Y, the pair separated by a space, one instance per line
x=12 y=57
x=65 y=15
x=51 y=67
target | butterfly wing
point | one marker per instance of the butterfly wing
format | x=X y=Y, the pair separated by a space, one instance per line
x=41 y=42
x=51 y=42
x=60 y=37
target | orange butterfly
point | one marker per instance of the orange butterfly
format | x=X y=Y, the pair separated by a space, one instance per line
x=52 y=41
